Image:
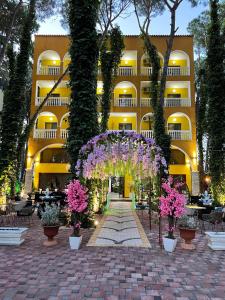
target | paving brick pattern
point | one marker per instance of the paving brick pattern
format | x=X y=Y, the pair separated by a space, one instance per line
x=33 y=271
x=120 y=227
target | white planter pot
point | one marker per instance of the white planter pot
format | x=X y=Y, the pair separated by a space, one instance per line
x=12 y=235
x=75 y=242
x=216 y=240
x=169 y=244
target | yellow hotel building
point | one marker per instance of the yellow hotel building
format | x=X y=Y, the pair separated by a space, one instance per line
x=47 y=162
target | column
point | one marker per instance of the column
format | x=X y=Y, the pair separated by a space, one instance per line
x=195 y=183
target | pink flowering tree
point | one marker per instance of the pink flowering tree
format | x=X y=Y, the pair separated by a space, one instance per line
x=77 y=200
x=172 y=203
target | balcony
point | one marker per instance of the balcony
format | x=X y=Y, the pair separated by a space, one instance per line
x=180 y=135
x=178 y=71
x=45 y=133
x=168 y=102
x=64 y=134
x=53 y=101
x=48 y=70
x=145 y=102
x=125 y=102
x=127 y=131
x=171 y=71
x=177 y=102
x=147 y=134
x=126 y=71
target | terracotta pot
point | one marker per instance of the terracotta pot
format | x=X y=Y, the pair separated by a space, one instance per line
x=187 y=235
x=50 y=232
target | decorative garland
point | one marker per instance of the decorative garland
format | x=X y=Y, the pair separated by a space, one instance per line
x=119 y=153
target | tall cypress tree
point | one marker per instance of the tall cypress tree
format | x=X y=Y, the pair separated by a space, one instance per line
x=13 y=117
x=216 y=105
x=83 y=75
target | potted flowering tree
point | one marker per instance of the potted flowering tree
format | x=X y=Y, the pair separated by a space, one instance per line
x=77 y=203
x=172 y=205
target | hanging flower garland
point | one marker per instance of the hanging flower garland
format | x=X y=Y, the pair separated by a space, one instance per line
x=119 y=153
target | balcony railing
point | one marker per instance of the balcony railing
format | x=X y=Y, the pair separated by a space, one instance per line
x=48 y=70
x=177 y=102
x=146 y=71
x=178 y=71
x=53 y=101
x=147 y=134
x=64 y=133
x=168 y=102
x=45 y=133
x=145 y=102
x=126 y=71
x=182 y=135
x=171 y=71
x=121 y=131
x=125 y=102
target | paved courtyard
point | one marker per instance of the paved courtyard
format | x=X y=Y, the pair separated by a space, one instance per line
x=33 y=271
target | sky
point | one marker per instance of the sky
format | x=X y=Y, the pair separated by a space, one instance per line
x=160 y=25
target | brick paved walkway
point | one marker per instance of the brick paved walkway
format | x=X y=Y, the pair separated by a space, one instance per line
x=32 y=271
x=120 y=227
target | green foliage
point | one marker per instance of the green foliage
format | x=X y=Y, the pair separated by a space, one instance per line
x=201 y=110
x=83 y=75
x=50 y=217
x=110 y=55
x=216 y=105
x=14 y=102
x=187 y=222
x=161 y=138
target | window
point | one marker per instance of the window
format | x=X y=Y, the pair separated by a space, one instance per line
x=55 y=95
x=125 y=126
x=54 y=155
x=173 y=95
x=125 y=96
x=174 y=126
x=50 y=125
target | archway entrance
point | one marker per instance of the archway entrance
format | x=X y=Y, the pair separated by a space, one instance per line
x=120 y=154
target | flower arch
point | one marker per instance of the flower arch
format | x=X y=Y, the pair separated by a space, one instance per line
x=119 y=153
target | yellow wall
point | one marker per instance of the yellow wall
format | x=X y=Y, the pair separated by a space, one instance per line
x=130 y=63
x=182 y=91
x=47 y=168
x=65 y=123
x=183 y=120
x=113 y=123
x=43 y=119
x=181 y=63
x=64 y=92
x=145 y=125
x=127 y=186
x=129 y=90
x=181 y=170
x=66 y=62
x=48 y=62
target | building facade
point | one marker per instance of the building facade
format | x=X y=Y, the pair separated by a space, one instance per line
x=47 y=161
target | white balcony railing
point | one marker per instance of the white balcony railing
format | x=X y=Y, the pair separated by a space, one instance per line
x=146 y=71
x=145 y=102
x=45 y=133
x=181 y=135
x=177 y=102
x=53 y=101
x=147 y=134
x=126 y=71
x=171 y=71
x=48 y=70
x=125 y=102
x=121 y=131
x=64 y=133
x=178 y=71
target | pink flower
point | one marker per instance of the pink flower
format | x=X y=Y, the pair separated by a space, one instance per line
x=77 y=196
